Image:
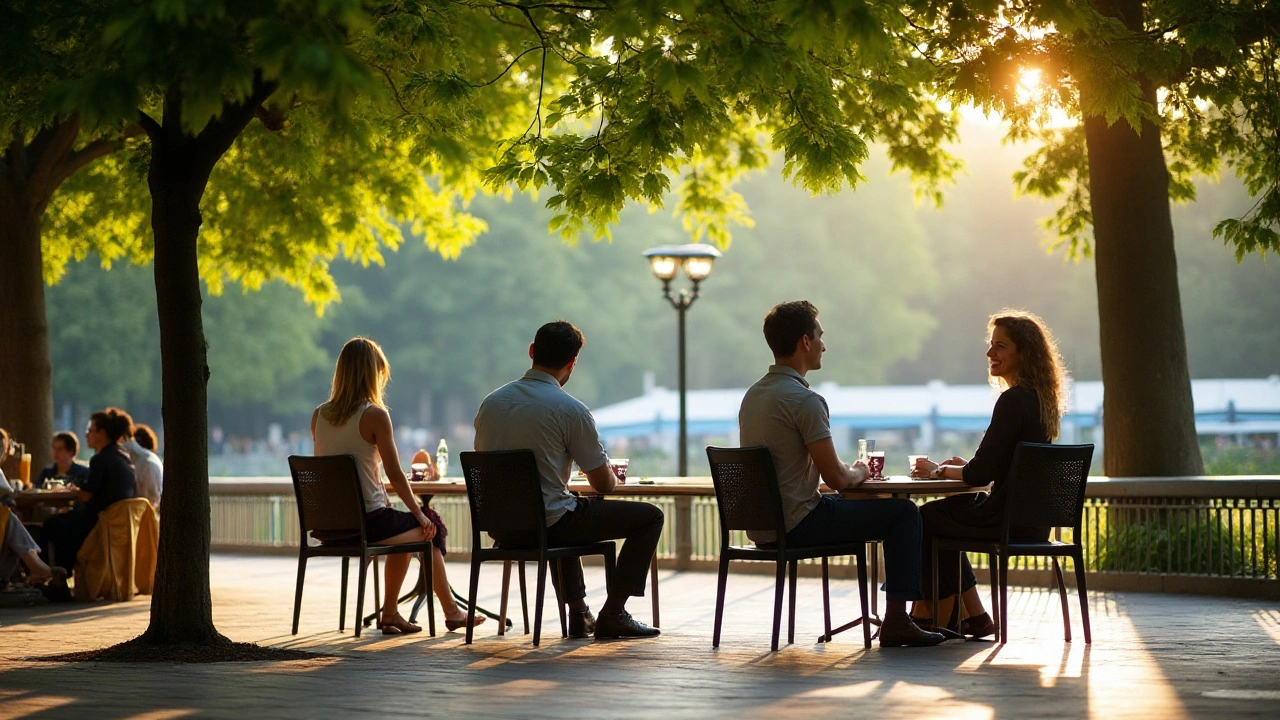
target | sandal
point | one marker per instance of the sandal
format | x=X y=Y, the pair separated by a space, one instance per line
x=396 y=625
x=452 y=625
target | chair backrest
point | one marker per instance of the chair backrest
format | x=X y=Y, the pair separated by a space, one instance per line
x=327 y=488
x=1047 y=488
x=746 y=490
x=504 y=491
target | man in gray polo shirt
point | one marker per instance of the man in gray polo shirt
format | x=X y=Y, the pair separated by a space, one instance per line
x=535 y=413
x=782 y=413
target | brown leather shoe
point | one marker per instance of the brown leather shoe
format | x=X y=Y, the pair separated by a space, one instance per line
x=900 y=631
x=979 y=627
x=581 y=624
x=622 y=625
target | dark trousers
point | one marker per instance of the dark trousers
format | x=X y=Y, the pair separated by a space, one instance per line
x=894 y=522
x=65 y=533
x=957 y=517
x=594 y=520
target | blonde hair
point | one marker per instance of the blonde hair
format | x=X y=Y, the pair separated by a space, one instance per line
x=1040 y=367
x=360 y=377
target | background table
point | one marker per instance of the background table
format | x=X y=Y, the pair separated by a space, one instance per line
x=29 y=500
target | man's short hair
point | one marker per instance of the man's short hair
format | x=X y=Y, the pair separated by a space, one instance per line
x=145 y=436
x=556 y=344
x=69 y=441
x=786 y=323
x=113 y=421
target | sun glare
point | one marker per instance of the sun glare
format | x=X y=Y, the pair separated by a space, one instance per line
x=1028 y=85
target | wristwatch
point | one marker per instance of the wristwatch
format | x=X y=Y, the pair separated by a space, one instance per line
x=937 y=473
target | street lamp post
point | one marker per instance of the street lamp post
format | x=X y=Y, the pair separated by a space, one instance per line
x=697 y=260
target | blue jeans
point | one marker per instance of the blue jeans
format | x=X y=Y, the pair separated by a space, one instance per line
x=894 y=522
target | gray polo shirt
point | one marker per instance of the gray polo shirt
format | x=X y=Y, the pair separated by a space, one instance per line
x=535 y=413
x=781 y=413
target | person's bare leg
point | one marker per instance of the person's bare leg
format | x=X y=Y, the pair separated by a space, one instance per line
x=397 y=566
x=440 y=583
x=972 y=602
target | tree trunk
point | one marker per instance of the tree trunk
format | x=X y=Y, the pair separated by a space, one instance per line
x=26 y=374
x=181 y=608
x=1148 y=416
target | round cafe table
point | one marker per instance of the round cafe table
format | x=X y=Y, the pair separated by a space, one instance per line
x=892 y=486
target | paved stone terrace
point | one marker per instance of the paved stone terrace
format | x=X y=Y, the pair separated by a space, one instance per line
x=1153 y=656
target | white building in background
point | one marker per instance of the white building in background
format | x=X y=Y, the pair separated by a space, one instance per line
x=927 y=417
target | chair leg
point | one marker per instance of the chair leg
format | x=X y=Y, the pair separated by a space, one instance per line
x=995 y=586
x=722 y=579
x=1062 y=595
x=777 y=601
x=957 y=607
x=428 y=591
x=471 y=595
x=342 y=597
x=934 y=599
x=826 y=602
x=1004 y=599
x=537 y=602
x=502 y=607
x=560 y=602
x=862 y=595
x=524 y=599
x=1078 y=560
x=364 y=567
x=297 y=593
x=791 y=604
x=875 y=577
x=377 y=594
x=653 y=588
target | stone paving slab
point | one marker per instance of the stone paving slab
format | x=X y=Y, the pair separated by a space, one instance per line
x=1153 y=656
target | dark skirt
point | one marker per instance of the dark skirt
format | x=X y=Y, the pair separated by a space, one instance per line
x=387 y=522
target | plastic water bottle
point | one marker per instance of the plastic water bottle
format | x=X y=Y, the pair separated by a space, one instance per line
x=442 y=459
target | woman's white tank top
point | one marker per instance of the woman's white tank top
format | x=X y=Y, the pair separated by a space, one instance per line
x=345 y=439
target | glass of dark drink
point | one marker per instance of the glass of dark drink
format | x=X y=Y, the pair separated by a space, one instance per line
x=619 y=467
x=875 y=463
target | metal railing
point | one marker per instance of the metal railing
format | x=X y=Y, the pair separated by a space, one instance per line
x=1199 y=535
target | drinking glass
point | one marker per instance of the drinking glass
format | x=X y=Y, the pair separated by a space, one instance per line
x=875 y=463
x=619 y=466
x=419 y=471
x=911 y=463
x=865 y=446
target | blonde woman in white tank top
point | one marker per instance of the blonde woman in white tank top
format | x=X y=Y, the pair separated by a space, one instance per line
x=354 y=421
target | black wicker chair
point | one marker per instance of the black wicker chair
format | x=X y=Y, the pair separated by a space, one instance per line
x=748 y=496
x=1046 y=489
x=505 y=495
x=330 y=499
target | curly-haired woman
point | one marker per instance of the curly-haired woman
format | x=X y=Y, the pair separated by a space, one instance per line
x=1024 y=365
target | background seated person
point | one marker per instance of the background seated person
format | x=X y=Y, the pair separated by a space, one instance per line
x=147 y=467
x=16 y=544
x=111 y=479
x=65 y=466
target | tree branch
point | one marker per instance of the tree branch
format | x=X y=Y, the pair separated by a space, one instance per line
x=75 y=161
x=149 y=126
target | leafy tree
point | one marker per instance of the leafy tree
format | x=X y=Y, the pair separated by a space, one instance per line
x=1156 y=90
x=40 y=45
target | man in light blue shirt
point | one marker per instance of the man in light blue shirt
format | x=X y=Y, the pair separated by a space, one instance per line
x=781 y=412
x=535 y=413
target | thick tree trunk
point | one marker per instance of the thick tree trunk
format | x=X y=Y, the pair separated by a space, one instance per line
x=1148 y=415
x=181 y=608
x=26 y=374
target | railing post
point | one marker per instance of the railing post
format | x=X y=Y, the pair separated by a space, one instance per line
x=684 y=532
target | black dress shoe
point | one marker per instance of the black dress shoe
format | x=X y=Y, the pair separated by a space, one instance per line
x=622 y=625
x=900 y=631
x=581 y=624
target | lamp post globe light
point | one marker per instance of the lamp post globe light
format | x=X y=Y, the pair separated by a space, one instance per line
x=697 y=260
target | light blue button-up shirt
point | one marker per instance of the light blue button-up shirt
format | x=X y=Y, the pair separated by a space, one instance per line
x=535 y=413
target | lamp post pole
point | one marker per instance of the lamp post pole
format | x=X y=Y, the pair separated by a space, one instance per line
x=665 y=262
x=681 y=303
